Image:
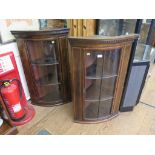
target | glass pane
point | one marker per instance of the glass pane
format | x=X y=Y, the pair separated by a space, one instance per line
x=144 y=31
x=101 y=70
x=109 y=27
x=115 y=27
x=142 y=52
x=92 y=89
x=128 y=26
x=101 y=64
x=42 y=52
x=45 y=68
x=91 y=110
x=45 y=75
x=107 y=88
x=49 y=93
x=104 y=108
x=110 y=62
x=93 y=64
x=46 y=80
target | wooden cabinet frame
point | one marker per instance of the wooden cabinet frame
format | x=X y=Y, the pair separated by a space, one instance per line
x=78 y=47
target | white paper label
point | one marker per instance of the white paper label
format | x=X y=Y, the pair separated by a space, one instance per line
x=99 y=55
x=17 y=107
x=88 y=54
x=144 y=21
x=5 y=64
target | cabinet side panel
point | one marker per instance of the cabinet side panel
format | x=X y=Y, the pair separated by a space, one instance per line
x=90 y=27
x=27 y=69
x=70 y=26
x=121 y=77
x=75 y=27
x=64 y=56
x=77 y=82
x=79 y=29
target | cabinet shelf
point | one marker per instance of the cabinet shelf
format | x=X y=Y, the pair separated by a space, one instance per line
x=97 y=110
x=51 y=97
x=101 y=99
x=48 y=81
x=99 y=89
x=45 y=62
x=102 y=77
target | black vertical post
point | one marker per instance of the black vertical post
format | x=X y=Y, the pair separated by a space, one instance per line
x=133 y=50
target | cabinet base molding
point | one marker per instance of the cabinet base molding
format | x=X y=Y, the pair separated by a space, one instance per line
x=103 y=119
x=125 y=109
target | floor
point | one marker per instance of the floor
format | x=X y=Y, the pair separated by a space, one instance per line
x=59 y=120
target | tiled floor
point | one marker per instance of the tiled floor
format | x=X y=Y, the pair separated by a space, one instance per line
x=59 y=120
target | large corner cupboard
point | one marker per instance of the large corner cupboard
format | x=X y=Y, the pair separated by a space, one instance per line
x=98 y=70
x=44 y=55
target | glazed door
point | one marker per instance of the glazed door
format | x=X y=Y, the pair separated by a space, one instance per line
x=45 y=68
x=101 y=72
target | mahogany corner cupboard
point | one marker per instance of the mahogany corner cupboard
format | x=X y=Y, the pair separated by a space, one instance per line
x=98 y=70
x=44 y=55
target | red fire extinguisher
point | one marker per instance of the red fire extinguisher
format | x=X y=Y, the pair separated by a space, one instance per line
x=11 y=94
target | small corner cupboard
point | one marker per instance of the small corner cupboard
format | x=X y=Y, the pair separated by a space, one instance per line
x=44 y=55
x=98 y=70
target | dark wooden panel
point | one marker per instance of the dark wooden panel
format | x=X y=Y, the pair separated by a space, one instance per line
x=27 y=68
x=77 y=82
x=65 y=68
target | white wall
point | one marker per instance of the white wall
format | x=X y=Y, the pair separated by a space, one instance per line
x=6 y=25
x=16 y=24
x=13 y=47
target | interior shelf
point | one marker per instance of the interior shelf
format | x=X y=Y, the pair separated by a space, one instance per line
x=95 y=110
x=45 y=62
x=101 y=77
x=50 y=98
x=99 y=89
x=105 y=98
x=97 y=72
x=92 y=94
x=48 y=80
